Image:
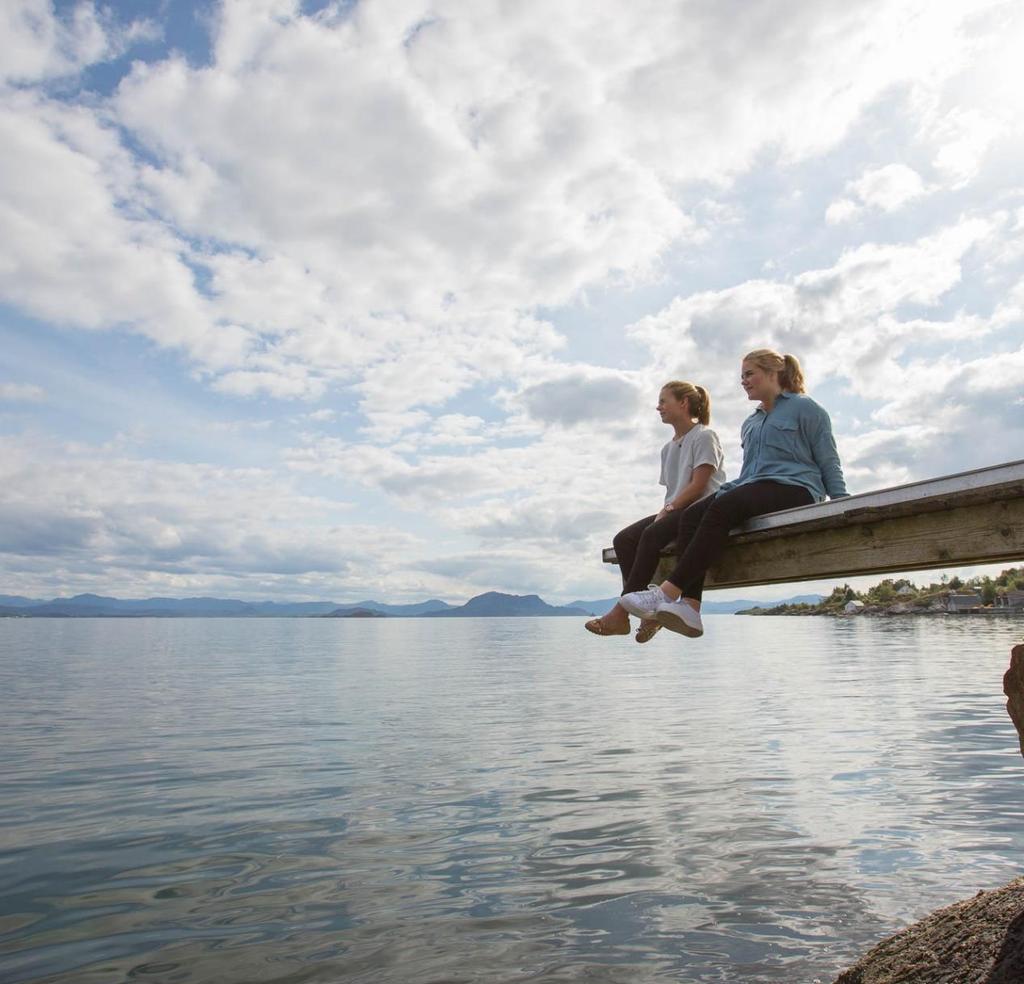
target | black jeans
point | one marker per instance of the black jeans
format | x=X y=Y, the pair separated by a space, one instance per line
x=703 y=529
x=639 y=546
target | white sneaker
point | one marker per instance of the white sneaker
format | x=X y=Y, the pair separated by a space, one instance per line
x=643 y=604
x=680 y=617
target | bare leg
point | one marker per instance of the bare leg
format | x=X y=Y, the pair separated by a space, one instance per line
x=616 y=617
x=671 y=591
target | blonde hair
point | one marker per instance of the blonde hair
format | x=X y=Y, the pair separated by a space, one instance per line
x=697 y=396
x=791 y=376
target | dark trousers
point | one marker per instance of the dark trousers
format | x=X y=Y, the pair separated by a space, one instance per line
x=638 y=548
x=703 y=529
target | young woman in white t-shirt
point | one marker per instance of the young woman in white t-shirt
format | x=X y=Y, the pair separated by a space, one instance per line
x=691 y=468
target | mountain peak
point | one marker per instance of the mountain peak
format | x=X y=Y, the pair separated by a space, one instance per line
x=496 y=604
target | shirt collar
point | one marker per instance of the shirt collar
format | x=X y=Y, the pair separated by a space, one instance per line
x=783 y=395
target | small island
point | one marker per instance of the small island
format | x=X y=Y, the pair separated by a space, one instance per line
x=1001 y=595
x=354 y=613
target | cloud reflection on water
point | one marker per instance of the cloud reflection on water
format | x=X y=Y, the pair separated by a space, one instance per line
x=305 y=800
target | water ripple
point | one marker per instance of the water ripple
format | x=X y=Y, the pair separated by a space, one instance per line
x=304 y=800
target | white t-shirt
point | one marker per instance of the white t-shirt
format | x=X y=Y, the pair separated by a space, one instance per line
x=698 y=446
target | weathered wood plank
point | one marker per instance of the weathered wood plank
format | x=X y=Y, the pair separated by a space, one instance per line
x=959 y=520
x=978 y=534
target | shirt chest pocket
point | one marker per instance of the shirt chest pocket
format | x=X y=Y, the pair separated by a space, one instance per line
x=782 y=436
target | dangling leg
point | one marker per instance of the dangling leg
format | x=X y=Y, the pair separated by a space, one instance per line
x=685 y=585
x=639 y=598
x=627 y=544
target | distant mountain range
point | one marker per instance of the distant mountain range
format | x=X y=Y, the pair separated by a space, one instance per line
x=492 y=604
x=90 y=605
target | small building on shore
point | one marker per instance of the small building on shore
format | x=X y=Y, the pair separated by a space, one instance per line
x=962 y=601
x=1012 y=600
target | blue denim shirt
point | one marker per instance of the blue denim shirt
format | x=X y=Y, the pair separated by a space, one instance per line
x=793 y=445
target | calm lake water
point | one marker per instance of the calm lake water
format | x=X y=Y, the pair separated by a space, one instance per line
x=424 y=800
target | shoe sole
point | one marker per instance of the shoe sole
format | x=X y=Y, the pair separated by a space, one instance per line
x=674 y=623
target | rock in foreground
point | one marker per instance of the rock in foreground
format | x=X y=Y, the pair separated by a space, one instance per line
x=977 y=941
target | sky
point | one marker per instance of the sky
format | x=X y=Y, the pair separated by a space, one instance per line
x=374 y=298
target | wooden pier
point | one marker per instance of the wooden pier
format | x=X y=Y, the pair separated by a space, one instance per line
x=974 y=517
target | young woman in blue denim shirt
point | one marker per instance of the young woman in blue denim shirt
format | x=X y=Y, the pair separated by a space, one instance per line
x=789 y=459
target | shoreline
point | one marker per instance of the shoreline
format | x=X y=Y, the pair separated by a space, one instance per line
x=893 y=612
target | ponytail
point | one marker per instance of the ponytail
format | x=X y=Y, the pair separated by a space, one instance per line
x=701 y=407
x=792 y=376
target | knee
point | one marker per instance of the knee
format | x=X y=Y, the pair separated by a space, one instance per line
x=648 y=535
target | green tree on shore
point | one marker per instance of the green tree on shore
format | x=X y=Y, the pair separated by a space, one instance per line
x=906 y=592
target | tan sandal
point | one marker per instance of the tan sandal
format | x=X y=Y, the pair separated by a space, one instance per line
x=598 y=627
x=647 y=631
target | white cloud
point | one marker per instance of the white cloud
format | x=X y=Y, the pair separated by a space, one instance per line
x=103 y=520
x=979 y=109
x=865 y=284
x=468 y=161
x=102 y=517
x=886 y=188
x=582 y=398
x=282 y=381
x=39 y=45
x=71 y=255
x=964 y=137
x=873 y=279
x=22 y=393
x=456 y=430
x=842 y=210
x=407 y=201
